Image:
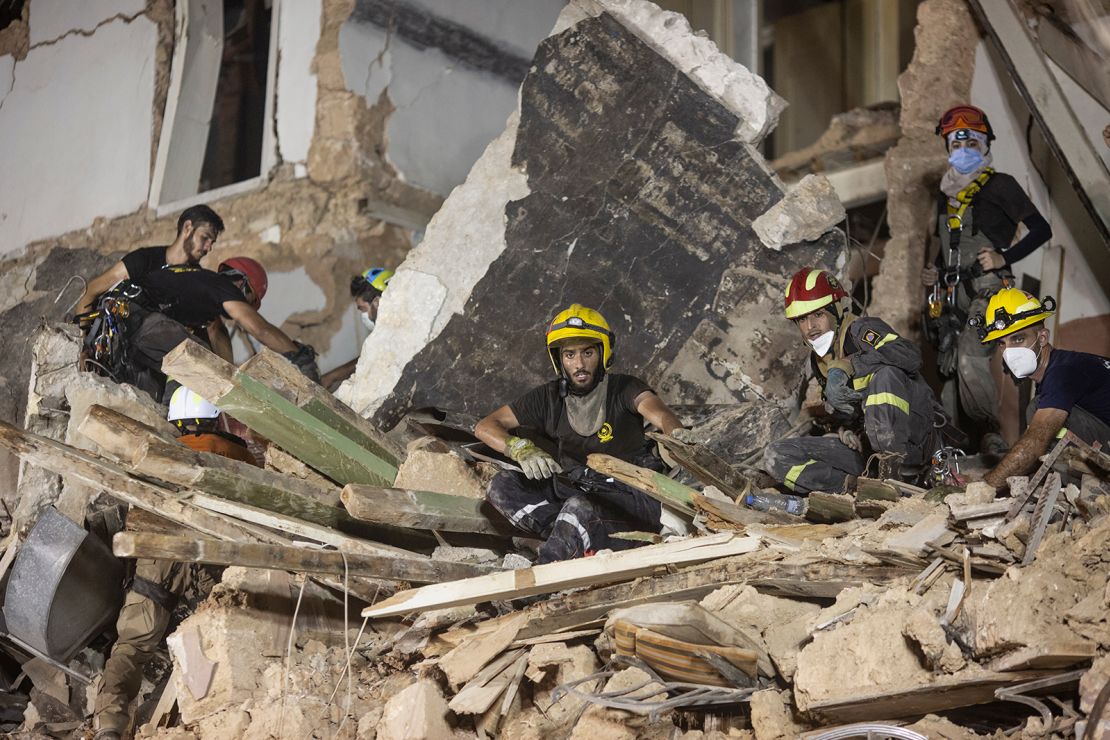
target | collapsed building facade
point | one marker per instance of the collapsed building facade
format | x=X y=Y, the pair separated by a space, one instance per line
x=640 y=169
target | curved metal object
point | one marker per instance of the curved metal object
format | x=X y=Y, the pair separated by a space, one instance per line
x=65 y=586
x=871 y=731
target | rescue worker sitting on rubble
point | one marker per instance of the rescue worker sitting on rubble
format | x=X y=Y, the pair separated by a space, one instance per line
x=585 y=410
x=367 y=289
x=1073 y=388
x=139 y=321
x=198 y=227
x=157 y=585
x=869 y=375
x=977 y=218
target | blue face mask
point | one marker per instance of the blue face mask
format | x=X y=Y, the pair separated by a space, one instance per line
x=966 y=160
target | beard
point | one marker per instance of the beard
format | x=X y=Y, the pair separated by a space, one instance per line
x=191 y=255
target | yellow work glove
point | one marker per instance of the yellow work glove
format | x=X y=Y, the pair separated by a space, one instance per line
x=535 y=463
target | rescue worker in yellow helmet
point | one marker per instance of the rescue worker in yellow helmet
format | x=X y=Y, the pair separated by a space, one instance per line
x=871 y=381
x=586 y=409
x=367 y=289
x=157 y=585
x=977 y=217
x=1073 y=388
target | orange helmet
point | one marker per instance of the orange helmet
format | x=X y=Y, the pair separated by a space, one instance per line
x=811 y=289
x=253 y=272
x=964 y=116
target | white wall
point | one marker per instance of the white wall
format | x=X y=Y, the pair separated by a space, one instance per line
x=446 y=113
x=75 y=128
x=298 y=33
x=52 y=19
x=992 y=90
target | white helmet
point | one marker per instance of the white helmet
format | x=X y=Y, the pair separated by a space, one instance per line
x=185 y=405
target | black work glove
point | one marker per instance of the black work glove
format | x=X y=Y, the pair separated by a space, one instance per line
x=304 y=359
x=839 y=393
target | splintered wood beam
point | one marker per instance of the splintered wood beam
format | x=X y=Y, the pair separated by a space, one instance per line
x=815 y=580
x=669 y=493
x=425 y=510
x=280 y=375
x=117 y=434
x=296 y=559
x=101 y=474
x=551 y=577
x=330 y=450
x=705 y=465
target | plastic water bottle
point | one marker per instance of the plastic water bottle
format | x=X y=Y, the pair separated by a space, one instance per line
x=768 y=500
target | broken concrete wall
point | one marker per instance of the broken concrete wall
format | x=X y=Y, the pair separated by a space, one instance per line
x=451 y=71
x=628 y=181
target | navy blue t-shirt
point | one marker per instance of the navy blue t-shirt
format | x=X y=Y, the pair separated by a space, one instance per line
x=1076 y=379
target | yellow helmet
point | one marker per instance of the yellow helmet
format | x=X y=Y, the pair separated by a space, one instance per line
x=1012 y=310
x=579 y=322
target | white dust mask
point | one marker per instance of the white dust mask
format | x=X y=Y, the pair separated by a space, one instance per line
x=822 y=344
x=366 y=321
x=1022 y=361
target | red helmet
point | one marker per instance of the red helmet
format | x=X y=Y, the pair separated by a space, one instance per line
x=810 y=290
x=252 y=272
x=964 y=116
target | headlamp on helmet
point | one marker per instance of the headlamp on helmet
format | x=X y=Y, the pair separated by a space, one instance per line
x=579 y=322
x=1009 y=311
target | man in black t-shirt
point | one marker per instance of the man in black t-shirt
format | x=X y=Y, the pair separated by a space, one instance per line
x=978 y=215
x=179 y=302
x=586 y=410
x=198 y=228
x=1073 y=388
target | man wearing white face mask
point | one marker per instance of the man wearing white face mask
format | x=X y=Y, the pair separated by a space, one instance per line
x=977 y=218
x=367 y=289
x=868 y=372
x=1073 y=388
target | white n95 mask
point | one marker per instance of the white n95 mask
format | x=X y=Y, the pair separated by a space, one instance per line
x=1022 y=361
x=366 y=321
x=822 y=344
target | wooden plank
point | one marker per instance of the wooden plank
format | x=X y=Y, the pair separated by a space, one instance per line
x=117 y=434
x=483 y=690
x=946 y=693
x=295 y=559
x=738 y=516
x=246 y=484
x=669 y=493
x=815 y=580
x=705 y=465
x=550 y=577
x=295 y=527
x=274 y=371
x=1056 y=656
x=425 y=510
x=471 y=656
x=266 y=411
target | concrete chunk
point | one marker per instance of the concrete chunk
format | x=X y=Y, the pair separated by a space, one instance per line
x=805 y=213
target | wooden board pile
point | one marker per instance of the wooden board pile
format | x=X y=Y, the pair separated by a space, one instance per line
x=891 y=605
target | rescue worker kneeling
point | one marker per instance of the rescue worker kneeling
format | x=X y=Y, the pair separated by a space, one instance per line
x=867 y=371
x=158 y=584
x=586 y=410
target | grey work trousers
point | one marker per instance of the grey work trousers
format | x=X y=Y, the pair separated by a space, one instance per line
x=574 y=519
x=898 y=414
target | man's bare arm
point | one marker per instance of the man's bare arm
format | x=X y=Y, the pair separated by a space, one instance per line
x=258 y=327
x=99 y=284
x=1043 y=428
x=652 y=408
x=495 y=429
x=220 y=340
x=339 y=374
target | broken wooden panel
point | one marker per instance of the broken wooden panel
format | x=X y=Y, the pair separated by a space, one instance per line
x=334 y=450
x=425 y=510
x=623 y=185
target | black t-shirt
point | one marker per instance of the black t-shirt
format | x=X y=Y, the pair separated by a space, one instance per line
x=143 y=261
x=192 y=296
x=621 y=435
x=1076 y=379
x=997 y=209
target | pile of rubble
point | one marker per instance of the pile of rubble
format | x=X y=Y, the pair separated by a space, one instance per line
x=887 y=604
